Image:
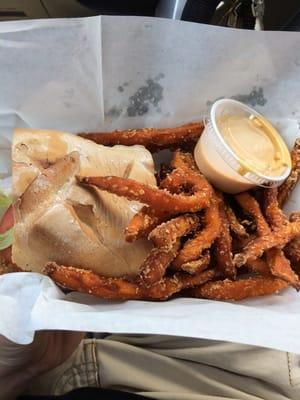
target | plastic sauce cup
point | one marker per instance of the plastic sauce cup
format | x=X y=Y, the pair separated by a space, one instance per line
x=240 y=149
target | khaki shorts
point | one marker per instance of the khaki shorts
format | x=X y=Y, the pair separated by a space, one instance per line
x=170 y=368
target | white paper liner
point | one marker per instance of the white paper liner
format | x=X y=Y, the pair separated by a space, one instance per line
x=155 y=73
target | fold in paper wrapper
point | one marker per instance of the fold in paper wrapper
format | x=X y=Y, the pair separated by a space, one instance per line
x=119 y=72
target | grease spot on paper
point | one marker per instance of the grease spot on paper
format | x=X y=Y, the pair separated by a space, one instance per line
x=255 y=98
x=113 y=112
x=149 y=94
x=122 y=87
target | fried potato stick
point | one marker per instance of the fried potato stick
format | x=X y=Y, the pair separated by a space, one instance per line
x=223 y=246
x=154 y=266
x=258 y=246
x=86 y=281
x=251 y=207
x=239 y=289
x=235 y=226
x=285 y=190
x=274 y=214
x=174 y=181
x=194 y=247
x=276 y=260
x=295 y=216
x=158 y=199
x=143 y=223
x=179 y=181
x=166 y=238
x=259 y=266
x=292 y=250
x=184 y=161
x=165 y=170
x=152 y=138
x=167 y=234
x=279 y=265
x=147 y=218
x=196 y=266
x=238 y=245
x=184 y=166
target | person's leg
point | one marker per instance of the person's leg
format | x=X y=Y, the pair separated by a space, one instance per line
x=177 y=368
x=80 y=370
x=166 y=367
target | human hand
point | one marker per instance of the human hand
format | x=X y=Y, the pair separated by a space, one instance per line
x=19 y=364
x=6 y=222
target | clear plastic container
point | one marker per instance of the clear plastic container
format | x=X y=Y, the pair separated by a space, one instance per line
x=239 y=149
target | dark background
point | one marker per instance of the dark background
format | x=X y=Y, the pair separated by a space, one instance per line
x=279 y=14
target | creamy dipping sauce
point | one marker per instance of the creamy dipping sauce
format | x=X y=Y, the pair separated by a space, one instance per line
x=240 y=149
x=254 y=144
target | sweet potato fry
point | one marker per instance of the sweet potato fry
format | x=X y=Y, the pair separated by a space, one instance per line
x=194 y=247
x=223 y=246
x=174 y=182
x=158 y=199
x=86 y=281
x=180 y=181
x=258 y=246
x=239 y=289
x=168 y=233
x=184 y=161
x=154 y=267
x=280 y=267
x=285 y=190
x=196 y=266
x=153 y=139
x=292 y=249
x=259 y=266
x=143 y=223
x=278 y=264
x=166 y=238
x=235 y=226
x=165 y=170
x=251 y=207
x=274 y=214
